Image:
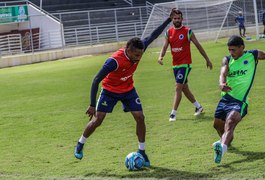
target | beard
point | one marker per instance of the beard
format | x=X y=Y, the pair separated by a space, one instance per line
x=177 y=24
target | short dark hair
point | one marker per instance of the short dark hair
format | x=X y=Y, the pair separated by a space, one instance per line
x=135 y=43
x=178 y=12
x=235 y=41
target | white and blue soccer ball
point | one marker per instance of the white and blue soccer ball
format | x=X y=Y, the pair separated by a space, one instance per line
x=134 y=161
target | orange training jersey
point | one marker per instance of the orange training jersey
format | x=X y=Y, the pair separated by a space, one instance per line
x=121 y=79
x=179 y=40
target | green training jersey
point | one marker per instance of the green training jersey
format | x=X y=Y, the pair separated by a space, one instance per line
x=241 y=73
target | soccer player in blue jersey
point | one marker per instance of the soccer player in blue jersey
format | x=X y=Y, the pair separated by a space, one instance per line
x=117 y=82
x=240 y=20
x=236 y=79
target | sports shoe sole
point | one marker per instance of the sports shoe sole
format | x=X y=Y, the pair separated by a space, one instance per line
x=198 y=113
x=147 y=164
x=172 y=120
x=218 y=150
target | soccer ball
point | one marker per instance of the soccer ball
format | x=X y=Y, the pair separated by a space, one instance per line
x=134 y=161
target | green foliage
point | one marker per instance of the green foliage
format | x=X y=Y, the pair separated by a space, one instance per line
x=43 y=115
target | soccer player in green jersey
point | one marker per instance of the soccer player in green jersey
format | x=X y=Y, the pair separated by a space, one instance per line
x=236 y=78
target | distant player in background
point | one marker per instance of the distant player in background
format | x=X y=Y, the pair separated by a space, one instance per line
x=240 y=20
x=236 y=79
x=117 y=85
x=179 y=37
x=263 y=20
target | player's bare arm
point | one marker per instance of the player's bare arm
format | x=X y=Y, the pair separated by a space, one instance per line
x=261 y=55
x=201 y=50
x=163 y=51
x=222 y=79
x=166 y=42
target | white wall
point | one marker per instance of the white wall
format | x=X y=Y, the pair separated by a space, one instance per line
x=51 y=30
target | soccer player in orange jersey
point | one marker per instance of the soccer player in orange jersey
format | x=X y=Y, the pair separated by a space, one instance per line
x=116 y=76
x=179 y=38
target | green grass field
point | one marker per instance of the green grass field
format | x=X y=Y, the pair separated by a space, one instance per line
x=42 y=115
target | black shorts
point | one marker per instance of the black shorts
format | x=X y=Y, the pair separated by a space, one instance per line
x=228 y=104
x=130 y=101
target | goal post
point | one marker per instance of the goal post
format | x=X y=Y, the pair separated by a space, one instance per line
x=209 y=19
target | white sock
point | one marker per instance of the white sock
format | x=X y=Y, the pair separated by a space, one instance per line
x=196 y=104
x=173 y=112
x=142 y=146
x=82 y=139
x=224 y=149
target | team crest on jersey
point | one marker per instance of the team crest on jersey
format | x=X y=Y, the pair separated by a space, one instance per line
x=181 y=36
x=245 y=62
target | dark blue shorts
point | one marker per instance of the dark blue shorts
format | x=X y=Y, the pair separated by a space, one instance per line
x=228 y=104
x=181 y=73
x=107 y=100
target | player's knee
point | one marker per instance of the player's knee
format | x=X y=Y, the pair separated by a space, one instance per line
x=232 y=122
x=234 y=117
x=216 y=126
x=185 y=87
x=179 y=88
x=97 y=122
x=139 y=118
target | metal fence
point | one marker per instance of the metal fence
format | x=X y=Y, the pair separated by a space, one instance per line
x=10 y=44
x=95 y=27
x=101 y=26
x=102 y=33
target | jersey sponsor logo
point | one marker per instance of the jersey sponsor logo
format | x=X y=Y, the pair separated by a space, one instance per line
x=177 y=49
x=181 y=36
x=126 y=77
x=237 y=73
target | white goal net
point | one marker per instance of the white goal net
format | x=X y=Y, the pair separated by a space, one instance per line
x=209 y=19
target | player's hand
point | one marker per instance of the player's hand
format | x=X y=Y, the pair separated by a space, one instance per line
x=172 y=13
x=160 y=61
x=209 y=65
x=224 y=87
x=91 y=111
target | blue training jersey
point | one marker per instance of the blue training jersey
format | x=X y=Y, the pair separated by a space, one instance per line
x=240 y=20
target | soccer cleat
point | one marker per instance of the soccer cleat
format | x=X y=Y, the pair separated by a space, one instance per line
x=218 y=152
x=79 y=150
x=172 y=117
x=146 y=160
x=198 y=111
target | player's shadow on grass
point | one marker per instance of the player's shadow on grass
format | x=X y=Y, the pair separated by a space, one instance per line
x=204 y=117
x=153 y=172
x=249 y=156
x=199 y=118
